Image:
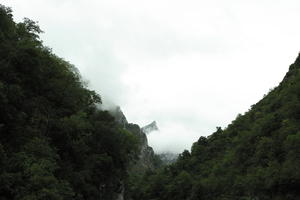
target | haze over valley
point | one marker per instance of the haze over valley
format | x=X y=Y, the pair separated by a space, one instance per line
x=140 y=100
x=191 y=66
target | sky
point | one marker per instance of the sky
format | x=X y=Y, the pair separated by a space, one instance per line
x=189 y=65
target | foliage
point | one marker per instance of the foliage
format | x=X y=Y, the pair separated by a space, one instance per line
x=54 y=142
x=256 y=157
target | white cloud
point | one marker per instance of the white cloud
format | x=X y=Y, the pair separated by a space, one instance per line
x=189 y=65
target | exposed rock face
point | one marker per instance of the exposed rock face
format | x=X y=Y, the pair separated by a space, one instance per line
x=146 y=158
x=119 y=116
x=150 y=127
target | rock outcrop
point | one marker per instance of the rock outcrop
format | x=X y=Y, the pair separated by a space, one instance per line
x=119 y=116
x=150 y=127
x=146 y=159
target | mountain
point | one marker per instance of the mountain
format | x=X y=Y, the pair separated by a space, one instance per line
x=55 y=143
x=119 y=116
x=146 y=157
x=145 y=160
x=150 y=127
x=256 y=157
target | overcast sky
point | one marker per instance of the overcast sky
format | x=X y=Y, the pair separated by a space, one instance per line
x=190 y=65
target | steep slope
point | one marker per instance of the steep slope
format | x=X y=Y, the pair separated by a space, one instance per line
x=166 y=158
x=256 y=157
x=54 y=142
x=146 y=160
x=119 y=116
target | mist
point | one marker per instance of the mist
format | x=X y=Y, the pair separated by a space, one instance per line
x=191 y=66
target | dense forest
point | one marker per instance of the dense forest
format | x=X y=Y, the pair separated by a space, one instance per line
x=257 y=157
x=57 y=144
x=54 y=141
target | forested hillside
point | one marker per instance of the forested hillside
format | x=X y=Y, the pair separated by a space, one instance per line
x=54 y=142
x=257 y=157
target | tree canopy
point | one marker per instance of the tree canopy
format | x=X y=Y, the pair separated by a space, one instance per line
x=54 y=142
x=256 y=157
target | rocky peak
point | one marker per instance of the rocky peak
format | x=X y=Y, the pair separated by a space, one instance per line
x=150 y=127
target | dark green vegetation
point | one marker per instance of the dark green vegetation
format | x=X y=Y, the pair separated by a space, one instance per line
x=257 y=157
x=54 y=142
